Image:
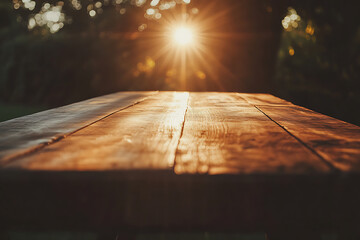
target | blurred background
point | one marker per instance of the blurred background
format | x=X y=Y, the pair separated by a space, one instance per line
x=54 y=53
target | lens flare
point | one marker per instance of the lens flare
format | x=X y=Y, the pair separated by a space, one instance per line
x=183 y=36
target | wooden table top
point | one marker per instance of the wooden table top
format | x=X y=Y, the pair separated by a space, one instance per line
x=252 y=148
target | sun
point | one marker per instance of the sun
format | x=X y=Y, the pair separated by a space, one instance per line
x=188 y=47
x=183 y=35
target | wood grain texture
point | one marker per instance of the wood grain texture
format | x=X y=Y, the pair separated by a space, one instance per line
x=144 y=136
x=250 y=157
x=25 y=133
x=263 y=99
x=223 y=134
x=335 y=141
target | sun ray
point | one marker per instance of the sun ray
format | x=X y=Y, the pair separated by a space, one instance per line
x=189 y=44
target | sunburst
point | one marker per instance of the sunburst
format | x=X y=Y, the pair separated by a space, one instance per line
x=190 y=44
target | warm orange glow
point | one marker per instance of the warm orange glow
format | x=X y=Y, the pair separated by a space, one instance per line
x=183 y=36
x=291 y=51
x=187 y=45
x=309 y=30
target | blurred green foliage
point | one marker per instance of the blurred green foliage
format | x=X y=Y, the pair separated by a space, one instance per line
x=9 y=111
x=324 y=72
x=42 y=72
x=56 y=69
x=94 y=56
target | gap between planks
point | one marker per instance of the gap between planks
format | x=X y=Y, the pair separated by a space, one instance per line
x=224 y=134
x=329 y=164
x=181 y=132
x=56 y=139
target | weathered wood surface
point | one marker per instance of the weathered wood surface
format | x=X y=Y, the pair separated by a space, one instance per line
x=178 y=160
x=264 y=99
x=225 y=134
x=24 y=134
x=335 y=141
x=144 y=136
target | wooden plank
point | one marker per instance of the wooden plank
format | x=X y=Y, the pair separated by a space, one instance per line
x=144 y=136
x=23 y=134
x=263 y=99
x=335 y=141
x=275 y=182
x=224 y=134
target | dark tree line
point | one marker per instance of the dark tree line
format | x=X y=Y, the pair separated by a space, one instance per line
x=315 y=64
